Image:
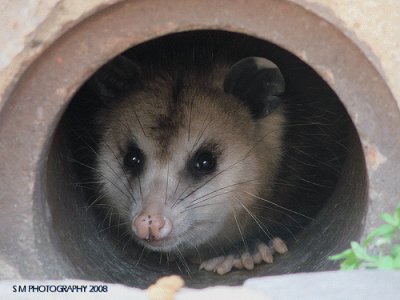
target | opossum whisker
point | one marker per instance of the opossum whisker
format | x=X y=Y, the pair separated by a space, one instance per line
x=132 y=135
x=183 y=260
x=179 y=197
x=177 y=265
x=177 y=185
x=313 y=165
x=140 y=256
x=218 y=173
x=166 y=185
x=259 y=223
x=127 y=242
x=160 y=260
x=195 y=205
x=128 y=235
x=125 y=124
x=201 y=133
x=119 y=224
x=219 y=189
x=129 y=132
x=213 y=177
x=308 y=124
x=311 y=182
x=195 y=225
x=269 y=208
x=240 y=229
x=176 y=189
x=109 y=212
x=83 y=138
x=277 y=205
x=110 y=218
x=305 y=180
x=140 y=123
x=270 y=220
x=211 y=245
x=85 y=184
x=222 y=188
x=113 y=226
x=189 y=233
x=90 y=148
x=99 y=198
x=105 y=205
x=140 y=188
x=102 y=175
x=128 y=188
x=190 y=117
x=223 y=202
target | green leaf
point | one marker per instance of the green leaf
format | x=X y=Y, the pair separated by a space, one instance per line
x=341 y=255
x=395 y=250
x=396 y=262
x=372 y=264
x=360 y=252
x=383 y=230
x=392 y=220
x=348 y=266
x=383 y=241
x=385 y=263
x=350 y=263
x=398 y=212
x=397 y=217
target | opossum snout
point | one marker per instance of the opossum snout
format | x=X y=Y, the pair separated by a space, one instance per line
x=151 y=226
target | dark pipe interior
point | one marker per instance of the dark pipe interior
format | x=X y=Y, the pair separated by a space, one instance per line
x=92 y=252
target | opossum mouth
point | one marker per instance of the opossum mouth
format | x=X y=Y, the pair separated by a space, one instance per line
x=163 y=245
x=168 y=244
x=174 y=241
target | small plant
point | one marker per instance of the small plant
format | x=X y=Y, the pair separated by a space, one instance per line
x=384 y=242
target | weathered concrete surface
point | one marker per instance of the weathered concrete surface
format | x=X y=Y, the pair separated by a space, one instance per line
x=372 y=25
x=330 y=285
x=362 y=285
x=28 y=27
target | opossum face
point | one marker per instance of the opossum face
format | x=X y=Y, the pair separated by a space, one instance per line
x=182 y=164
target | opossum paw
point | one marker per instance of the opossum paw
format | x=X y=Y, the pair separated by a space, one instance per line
x=212 y=263
x=262 y=253
x=220 y=264
x=279 y=245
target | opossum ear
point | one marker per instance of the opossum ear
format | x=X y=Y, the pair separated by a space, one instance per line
x=257 y=82
x=115 y=78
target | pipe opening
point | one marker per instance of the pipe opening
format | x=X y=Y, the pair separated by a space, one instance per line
x=333 y=179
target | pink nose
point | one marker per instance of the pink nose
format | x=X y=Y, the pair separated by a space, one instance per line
x=151 y=227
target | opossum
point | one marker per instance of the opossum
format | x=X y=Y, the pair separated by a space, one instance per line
x=204 y=160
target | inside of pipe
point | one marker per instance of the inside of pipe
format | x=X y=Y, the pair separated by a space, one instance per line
x=95 y=250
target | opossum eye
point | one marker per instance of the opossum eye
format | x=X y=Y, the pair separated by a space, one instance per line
x=134 y=160
x=204 y=162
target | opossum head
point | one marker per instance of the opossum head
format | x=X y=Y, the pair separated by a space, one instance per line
x=183 y=156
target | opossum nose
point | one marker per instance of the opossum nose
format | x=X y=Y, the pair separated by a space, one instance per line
x=152 y=226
